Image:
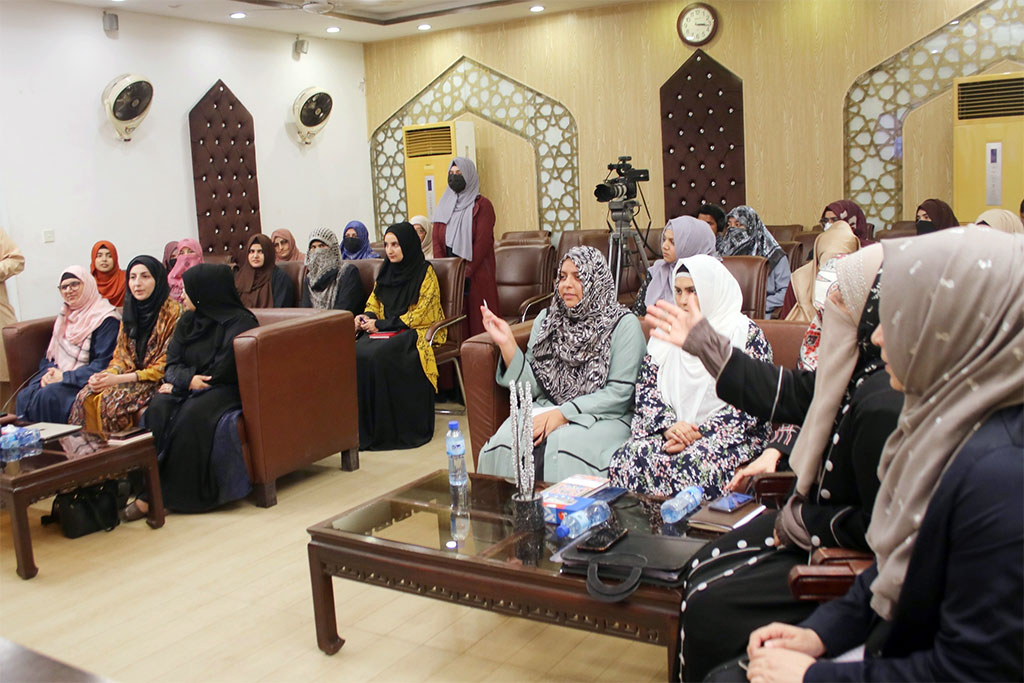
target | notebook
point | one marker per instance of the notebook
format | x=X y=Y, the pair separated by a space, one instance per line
x=718 y=522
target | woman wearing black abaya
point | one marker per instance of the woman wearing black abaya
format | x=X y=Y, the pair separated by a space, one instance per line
x=397 y=374
x=201 y=384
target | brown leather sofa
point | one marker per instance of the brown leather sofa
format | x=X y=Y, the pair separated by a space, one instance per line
x=807 y=239
x=794 y=253
x=296 y=271
x=287 y=424
x=368 y=269
x=784 y=233
x=524 y=237
x=752 y=274
x=524 y=272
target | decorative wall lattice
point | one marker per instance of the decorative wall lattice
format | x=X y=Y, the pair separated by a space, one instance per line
x=879 y=100
x=470 y=87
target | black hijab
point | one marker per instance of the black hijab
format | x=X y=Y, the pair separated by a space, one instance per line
x=139 y=317
x=211 y=289
x=398 y=284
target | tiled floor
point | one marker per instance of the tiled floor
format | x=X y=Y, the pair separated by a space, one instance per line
x=225 y=597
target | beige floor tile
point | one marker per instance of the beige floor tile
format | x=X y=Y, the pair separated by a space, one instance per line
x=464 y=667
x=418 y=665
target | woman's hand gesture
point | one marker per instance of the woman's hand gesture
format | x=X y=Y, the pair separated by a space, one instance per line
x=763 y=464
x=199 y=382
x=673 y=324
x=501 y=334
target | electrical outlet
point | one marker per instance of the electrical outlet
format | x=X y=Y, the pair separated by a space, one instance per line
x=48 y=236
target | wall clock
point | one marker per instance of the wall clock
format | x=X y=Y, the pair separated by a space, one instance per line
x=697 y=24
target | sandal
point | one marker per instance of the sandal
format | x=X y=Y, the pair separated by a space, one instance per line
x=132 y=513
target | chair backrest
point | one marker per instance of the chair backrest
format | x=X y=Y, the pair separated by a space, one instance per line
x=522 y=271
x=368 y=269
x=221 y=260
x=896 y=234
x=807 y=239
x=785 y=338
x=451 y=280
x=784 y=233
x=588 y=238
x=377 y=248
x=752 y=274
x=795 y=254
x=524 y=237
x=296 y=270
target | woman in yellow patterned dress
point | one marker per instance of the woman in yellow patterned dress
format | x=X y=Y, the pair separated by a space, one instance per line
x=113 y=399
x=397 y=373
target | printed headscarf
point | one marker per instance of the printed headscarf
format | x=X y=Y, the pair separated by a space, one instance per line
x=572 y=351
x=110 y=284
x=456 y=210
x=692 y=236
x=752 y=239
x=182 y=264
x=954 y=336
x=851 y=213
x=323 y=269
x=364 y=238
x=73 y=328
x=837 y=240
x=255 y=285
x=287 y=236
x=140 y=317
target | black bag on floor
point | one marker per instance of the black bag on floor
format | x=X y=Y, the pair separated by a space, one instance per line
x=89 y=508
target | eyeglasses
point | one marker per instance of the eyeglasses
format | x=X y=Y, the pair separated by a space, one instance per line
x=71 y=286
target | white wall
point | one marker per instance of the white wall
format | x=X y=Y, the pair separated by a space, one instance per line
x=62 y=167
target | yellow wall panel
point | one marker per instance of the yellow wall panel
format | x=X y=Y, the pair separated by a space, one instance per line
x=797 y=58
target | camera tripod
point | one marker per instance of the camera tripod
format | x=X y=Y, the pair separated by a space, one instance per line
x=620 y=254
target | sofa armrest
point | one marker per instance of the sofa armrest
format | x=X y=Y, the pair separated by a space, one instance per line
x=486 y=402
x=533 y=301
x=773 y=489
x=297 y=379
x=823 y=582
x=442 y=325
x=25 y=344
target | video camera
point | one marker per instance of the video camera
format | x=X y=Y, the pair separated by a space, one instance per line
x=623 y=186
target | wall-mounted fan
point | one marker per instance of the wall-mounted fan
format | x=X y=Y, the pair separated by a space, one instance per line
x=311 y=110
x=126 y=100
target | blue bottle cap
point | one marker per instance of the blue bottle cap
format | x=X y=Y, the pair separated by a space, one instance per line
x=561 y=531
x=453 y=424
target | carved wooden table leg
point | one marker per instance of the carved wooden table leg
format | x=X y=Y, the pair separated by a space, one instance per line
x=17 y=507
x=323 y=604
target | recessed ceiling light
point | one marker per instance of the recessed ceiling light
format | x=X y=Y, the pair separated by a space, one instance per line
x=238 y=15
x=333 y=29
x=424 y=27
x=537 y=8
x=451 y=545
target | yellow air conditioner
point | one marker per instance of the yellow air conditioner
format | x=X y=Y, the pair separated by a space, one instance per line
x=429 y=149
x=988 y=143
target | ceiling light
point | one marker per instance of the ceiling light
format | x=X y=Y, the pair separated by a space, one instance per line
x=333 y=29
x=238 y=15
x=537 y=8
x=423 y=27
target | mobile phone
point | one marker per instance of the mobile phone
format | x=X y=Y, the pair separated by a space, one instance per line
x=608 y=495
x=603 y=537
x=730 y=502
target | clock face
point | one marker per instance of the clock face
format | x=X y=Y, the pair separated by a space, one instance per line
x=697 y=24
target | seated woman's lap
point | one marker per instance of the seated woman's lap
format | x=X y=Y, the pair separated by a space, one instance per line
x=51 y=403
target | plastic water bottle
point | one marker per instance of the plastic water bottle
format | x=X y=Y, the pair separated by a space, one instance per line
x=9 y=449
x=29 y=442
x=455 y=446
x=575 y=524
x=684 y=502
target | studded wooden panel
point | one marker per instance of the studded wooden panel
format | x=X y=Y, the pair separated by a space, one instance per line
x=702 y=137
x=224 y=172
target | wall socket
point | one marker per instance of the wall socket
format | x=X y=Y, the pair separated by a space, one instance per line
x=48 y=236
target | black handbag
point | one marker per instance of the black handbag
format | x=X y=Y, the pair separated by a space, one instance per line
x=89 y=508
x=659 y=560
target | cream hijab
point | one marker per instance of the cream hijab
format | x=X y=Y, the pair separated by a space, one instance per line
x=1001 y=219
x=839 y=239
x=683 y=382
x=428 y=239
x=954 y=335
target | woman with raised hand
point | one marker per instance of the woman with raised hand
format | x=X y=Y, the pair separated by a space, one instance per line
x=682 y=433
x=110 y=279
x=682 y=237
x=330 y=282
x=260 y=283
x=395 y=366
x=944 y=600
x=84 y=336
x=581 y=363
x=200 y=385
x=113 y=398
x=189 y=254
x=746 y=235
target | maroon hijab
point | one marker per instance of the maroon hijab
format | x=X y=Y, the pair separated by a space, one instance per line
x=849 y=211
x=939 y=213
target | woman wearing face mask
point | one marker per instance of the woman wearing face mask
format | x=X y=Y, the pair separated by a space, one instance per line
x=259 y=282
x=581 y=363
x=113 y=398
x=356 y=242
x=330 y=283
x=200 y=385
x=397 y=374
x=84 y=336
x=845 y=210
x=682 y=433
x=810 y=281
x=110 y=278
x=464 y=226
x=683 y=237
x=285 y=248
x=170 y=255
x=934 y=214
x=189 y=254
x=747 y=236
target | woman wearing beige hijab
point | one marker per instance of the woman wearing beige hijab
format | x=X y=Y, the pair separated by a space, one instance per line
x=945 y=598
x=810 y=281
x=425 y=231
x=1001 y=219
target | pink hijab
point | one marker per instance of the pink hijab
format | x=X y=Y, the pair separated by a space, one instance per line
x=72 y=331
x=287 y=235
x=183 y=263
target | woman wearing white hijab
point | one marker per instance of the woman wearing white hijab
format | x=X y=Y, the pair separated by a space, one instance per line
x=682 y=433
x=464 y=226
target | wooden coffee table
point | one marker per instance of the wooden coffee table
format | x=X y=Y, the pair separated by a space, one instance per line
x=37 y=477
x=409 y=540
